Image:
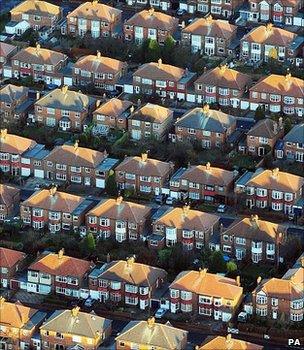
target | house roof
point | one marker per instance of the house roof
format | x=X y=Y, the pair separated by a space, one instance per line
x=269 y=35
x=255 y=229
x=152 y=113
x=160 y=71
x=208 y=284
x=58 y=264
x=73 y=155
x=38 y=55
x=228 y=343
x=38 y=7
x=6 y=49
x=7 y=194
x=267 y=128
x=118 y=209
x=10 y=257
x=53 y=200
x=153 y=19
x=206 y=174
x=296 y=134
x=206 y=119
x=15 y=314
x=113 y=107
x=14 y=144
x=132 y=272
x=100 y=64
x=280 y=84
x=144 y=166
x=276 y=180
x=163 y=336
x=224 y=77
x=67 y=100
x=75 y=322
x=10 y=93
x=187 y=219
x=211 y=27
x=96 y=11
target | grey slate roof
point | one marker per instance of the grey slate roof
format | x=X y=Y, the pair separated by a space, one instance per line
x=214 y=120
x=296 y=134
x=11 y=92
x=66 y=100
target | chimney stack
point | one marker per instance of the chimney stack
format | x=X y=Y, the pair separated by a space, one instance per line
x=160 y=62
x=151 y=322
x=60 y=253
x=53 y=190
x=275 y=172
x=206 y=109
x=130 y=261
x=302 y=261
x=144 y=157
x=259 y=279
x=37 y=95
x=98 y=102
x=151 y=11
x=238 y=281
x=186 y=209
x=208 y=166
x=202 y=272
x=2 y=301
x=76 y=144
x=119 y=200
x=98 y=54
x=64 y=89
x=75 y=311
x=3 y=133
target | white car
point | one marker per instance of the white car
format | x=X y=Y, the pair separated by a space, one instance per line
x=89 y=302
x=221 y=208
x=160 y=313
x=170 y=201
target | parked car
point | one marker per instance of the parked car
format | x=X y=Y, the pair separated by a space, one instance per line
x=160 y=313
x=242 y=316
x=159 y=199
x=222 y=208
x=170 y=201
x=181 y=12
x=89 y=302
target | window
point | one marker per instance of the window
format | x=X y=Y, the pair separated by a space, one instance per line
x=261 y=299
x=204 y=311
x=205 y=300
x=174 y=293
x=131 y=300
x=274 y=301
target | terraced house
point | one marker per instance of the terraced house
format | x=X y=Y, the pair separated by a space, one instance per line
x=11 y=261
x=18 y=324
x=273 y=189
x=208 y=127
x=202 y=182
x=266 y=42
x=99 y=20
x=205 y=294
x=150 y=24
x=102 y=72
x=164 y=5
x=255 y=238
x=292 y=145
x=54 y=210
x=281 y=298
x=143 y=174
x=126 y=282
x=12 y=148
x=113 y=114
x=209 y=37
x=150 y=121
x=191 y=228
x=14 y=102
x=162 y=79
x=220 y=342
x=58 y=273
x=278 y=93
x=217 y=8
x=64 y=108
x=118 y=218
x=74 y=329
x=9 y=197
x=223 y=85
x=6 y=52
x=40 y=64
x=146 y=334
x=37 y=13
x=77 y=165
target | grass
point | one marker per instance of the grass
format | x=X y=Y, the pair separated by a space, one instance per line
x=243 y=161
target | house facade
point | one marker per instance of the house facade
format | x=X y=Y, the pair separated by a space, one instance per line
x=223 y=85
x=150 y=121
x=205 y=294
x=202 y=182
x=59 y=274
x=143 y=174
x=102 y=72
x=254 y=238
x=210 y=37
x=40 y=64
x=11 y=261
x=9 y=197
x=127 y=282
x=149 y=24
x=54 y=210
x=64 y=108
x=278 y=93
x=191 y=228
x=6 y=52
x=98 y=19
x=121 y=219
x=162 y=79
x=208 y=127
x=292 y=145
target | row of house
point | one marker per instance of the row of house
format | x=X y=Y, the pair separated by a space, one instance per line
x=135 y=284
x=74 y=329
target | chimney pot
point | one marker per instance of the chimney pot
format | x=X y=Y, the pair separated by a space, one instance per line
x=61 y=253
x=144 y=157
